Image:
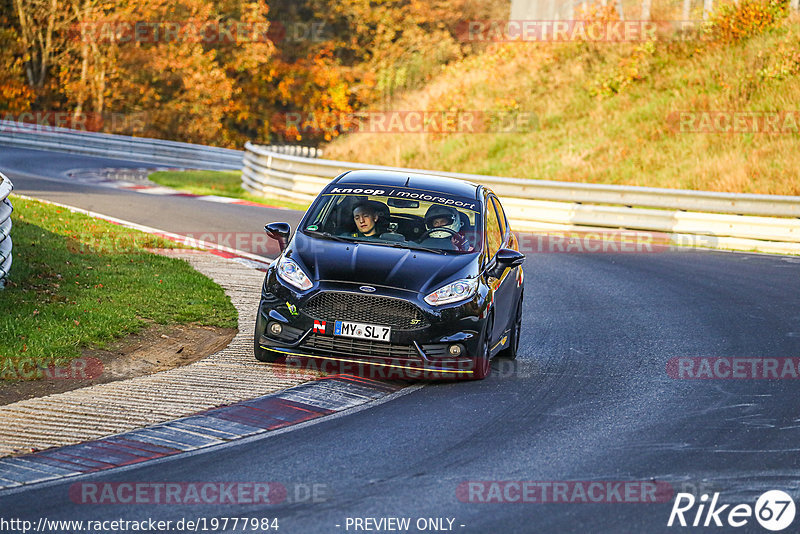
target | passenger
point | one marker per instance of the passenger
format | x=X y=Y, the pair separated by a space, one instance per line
x=366 y=218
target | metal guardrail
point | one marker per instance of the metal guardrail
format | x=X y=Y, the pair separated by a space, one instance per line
x=741 y=221
x=146 y=150
x=5 y=228
x=296 y=150
x=542 y=205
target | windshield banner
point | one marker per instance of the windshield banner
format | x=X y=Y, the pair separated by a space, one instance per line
x=404 y=193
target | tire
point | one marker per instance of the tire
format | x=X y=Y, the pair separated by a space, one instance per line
x=510 y=352
x=483 y=364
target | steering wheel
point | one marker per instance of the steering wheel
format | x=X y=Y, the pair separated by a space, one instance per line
x=440 y=229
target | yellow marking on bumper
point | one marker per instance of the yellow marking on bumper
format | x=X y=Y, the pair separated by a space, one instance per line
x=501 y=342
x=363 y=361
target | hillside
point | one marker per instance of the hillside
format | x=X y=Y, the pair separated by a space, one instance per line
x=610 y=112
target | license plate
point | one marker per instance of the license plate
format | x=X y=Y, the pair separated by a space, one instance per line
x=375 y=332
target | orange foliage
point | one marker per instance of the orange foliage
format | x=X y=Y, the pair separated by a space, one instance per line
x=15 y=95
x=224 y=93
x=734 y=22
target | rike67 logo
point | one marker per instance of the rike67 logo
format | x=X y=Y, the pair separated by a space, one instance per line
x=774 y=510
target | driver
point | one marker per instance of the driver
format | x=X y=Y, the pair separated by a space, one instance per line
x=449 y=220
x=366 y=218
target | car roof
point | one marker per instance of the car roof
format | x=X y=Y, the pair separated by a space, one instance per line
x=428 y=182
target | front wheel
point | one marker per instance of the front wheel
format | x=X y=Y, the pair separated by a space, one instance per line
x=510 y=352
x=482 y=364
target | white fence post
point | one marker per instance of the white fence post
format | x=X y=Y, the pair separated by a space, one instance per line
x=687 y=10
x=795 y=4
x=708 y=6
x=645 y=9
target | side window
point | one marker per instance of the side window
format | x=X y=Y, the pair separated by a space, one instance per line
x=494 y=235
x=501 y=216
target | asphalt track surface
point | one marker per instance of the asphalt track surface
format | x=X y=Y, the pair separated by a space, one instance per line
x=43 y=175
x=589 y=398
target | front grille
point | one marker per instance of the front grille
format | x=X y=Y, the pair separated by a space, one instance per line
x=359 y=347
x=343 y=306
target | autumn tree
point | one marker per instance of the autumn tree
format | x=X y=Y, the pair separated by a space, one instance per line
x=15 y=95
x=324 y=57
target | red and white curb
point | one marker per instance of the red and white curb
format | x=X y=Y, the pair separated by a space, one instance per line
x=268 y=413
x=218 y=399
x=245 y=258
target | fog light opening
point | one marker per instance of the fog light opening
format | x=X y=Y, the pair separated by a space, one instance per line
x=454 y=350
x=275 y=329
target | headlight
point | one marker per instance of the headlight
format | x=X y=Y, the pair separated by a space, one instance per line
x=290 y=272
x=454 y=292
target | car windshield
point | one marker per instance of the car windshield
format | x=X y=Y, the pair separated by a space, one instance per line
x=398 y=217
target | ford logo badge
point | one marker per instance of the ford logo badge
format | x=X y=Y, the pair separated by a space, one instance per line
x=367 y=289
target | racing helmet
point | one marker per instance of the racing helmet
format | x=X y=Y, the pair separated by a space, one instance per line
x=442 y=212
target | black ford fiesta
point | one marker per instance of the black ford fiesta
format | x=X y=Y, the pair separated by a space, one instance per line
x=415 y=274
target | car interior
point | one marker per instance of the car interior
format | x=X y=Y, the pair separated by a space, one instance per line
x=399 y=225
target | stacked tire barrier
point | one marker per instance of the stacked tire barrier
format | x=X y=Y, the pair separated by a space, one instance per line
x=765 y=223
x=5 y=228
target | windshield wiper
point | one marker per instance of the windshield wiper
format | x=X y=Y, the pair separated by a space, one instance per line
x=413 y=246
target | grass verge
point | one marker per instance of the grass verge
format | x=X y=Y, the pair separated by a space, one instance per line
x=80 y=282
x=220 y=183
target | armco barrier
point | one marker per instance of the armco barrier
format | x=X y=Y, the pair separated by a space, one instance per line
x=154 y=151
x=736 y=221
x=146 y=150
x=5 y=228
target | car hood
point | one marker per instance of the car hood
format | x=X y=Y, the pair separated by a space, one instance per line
x=379 y=265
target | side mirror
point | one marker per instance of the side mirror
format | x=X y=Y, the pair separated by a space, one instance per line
x=505 y=259
x=279 y=231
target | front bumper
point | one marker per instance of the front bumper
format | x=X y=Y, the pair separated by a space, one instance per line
x=418 y=348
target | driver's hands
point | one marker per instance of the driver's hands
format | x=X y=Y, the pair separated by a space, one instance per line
x=460 y=242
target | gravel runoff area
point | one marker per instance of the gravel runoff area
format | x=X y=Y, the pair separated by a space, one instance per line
x=231 y=375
